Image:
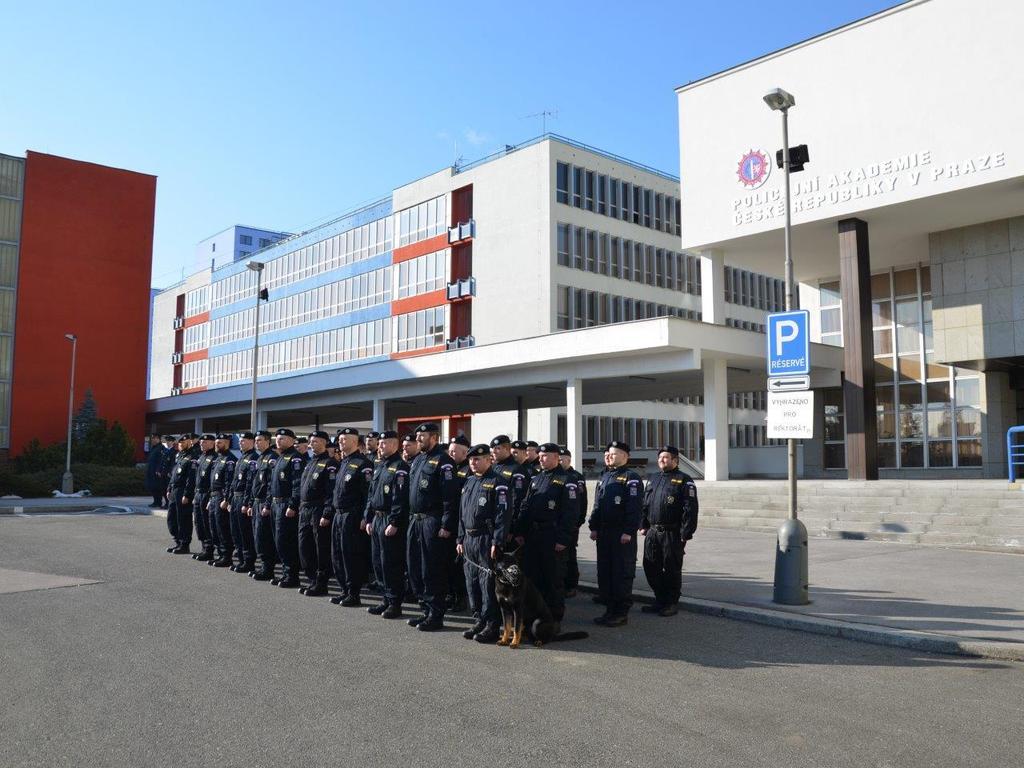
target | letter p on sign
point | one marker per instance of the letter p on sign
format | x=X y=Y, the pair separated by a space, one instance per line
x=785 y=330
x=788 y=342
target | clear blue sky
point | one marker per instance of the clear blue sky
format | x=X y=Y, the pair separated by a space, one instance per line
x=283 y=115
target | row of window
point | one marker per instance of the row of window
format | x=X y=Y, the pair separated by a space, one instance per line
x=751 y=436
x=197 y=301
x=582 y=308
x=422 y=221
x=751 y=289
x=418 y=330
x=197 y=337
x=358 y=292
x=423 y=274
x=618 y=199
x=604 y=254
x=641 y=434
x=746 y=325
x=247 y=240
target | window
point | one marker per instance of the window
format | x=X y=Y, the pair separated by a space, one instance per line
x=602 y=195
x=563 y=245
x=626 y=188
x=638 y=204
x=562 y=183
x=563 y=307
x=648 y=205
x=613 y=199
x=591 y=262
x=659 y=202
x=419 y=222
x=588 y=201
x=265 y=242
x=245 y=239
x=421 y=275
x=419 y=330
x=577 y=187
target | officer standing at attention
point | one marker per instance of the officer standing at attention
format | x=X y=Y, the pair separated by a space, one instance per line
x=410 y=448
x=302 y=446
x=241 y=525
x=220 y=501
x=532 y=462
x=284 y=501
x=433 y=506
x=519 y=453
x=483 y=515
x=387 y=517
x=201 y=502
x=350 y=548
x=513 y=474
x=179 y=491
x=372 y=442
x=668 y=521
x=258 y=507
x=316 y=492
x=458 y=450
x=572 y=567
x=163 y=473
x=613 y=525
x=547 y=526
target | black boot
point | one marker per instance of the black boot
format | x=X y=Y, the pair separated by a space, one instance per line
x=262 y=575
x=377 y=610
x=336 y=600
x=351 y=601
x=476 y=628
x=170 y=550
x=415 y=621
x=315 y=591
x=490 y=634
x=432 y=623
x=182 y=549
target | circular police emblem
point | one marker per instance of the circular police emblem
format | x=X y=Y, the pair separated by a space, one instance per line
x=282 y=475
x=316 y=475
x=424 y=483
x=551 y=504
x=482 y=501
x=348 y=477
x=618 y=499
x=753 y=169
x=670 y=499
x=387 y=488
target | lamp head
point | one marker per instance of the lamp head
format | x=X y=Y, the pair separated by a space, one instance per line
x=779 y=100
x=70 y=337
x=255 y=266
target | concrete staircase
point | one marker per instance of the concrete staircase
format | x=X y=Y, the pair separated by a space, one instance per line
x=983 y=514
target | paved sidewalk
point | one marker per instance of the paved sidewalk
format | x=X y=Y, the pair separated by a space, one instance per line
x=930 y=598
x=75 y=504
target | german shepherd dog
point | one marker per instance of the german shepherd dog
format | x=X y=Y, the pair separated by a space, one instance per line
x=523 y=608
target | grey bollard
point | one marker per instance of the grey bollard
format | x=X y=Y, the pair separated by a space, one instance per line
x=791 y=564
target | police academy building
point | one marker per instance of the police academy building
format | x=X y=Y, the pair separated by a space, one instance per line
x=555 y=291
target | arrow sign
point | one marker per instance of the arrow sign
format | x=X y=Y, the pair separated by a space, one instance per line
x=789 y=384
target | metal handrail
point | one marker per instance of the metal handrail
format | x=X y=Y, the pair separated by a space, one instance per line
x=1014 y=451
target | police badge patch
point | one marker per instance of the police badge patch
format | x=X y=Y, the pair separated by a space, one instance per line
x=348 y=477
x=618 y=499
x=387 y=488
x=670 y=499
x=551 y=504
x=482 y=501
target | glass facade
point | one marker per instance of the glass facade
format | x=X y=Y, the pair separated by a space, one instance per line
x=12 y=176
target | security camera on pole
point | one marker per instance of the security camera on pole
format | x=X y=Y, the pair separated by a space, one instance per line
x=790 y=401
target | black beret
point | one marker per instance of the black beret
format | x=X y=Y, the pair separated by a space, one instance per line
x=302 y=439
x=224 y=435
x=351 y=431
x=165 y=438
x=264 y=433
x=564 y=452
x=388 y=434
x=532 y=444
x=247 y=436
x=428 y=426
x=481 y=449
x=208 y=436
x=284 y=432
x=617 y=444
x=373 y=435
x=519 y=444
x=669 y=449
x=410 y=438
x=549 y=448
x=183 y=438
x=459 y=440
x=500 y=440
x=319 y=433
x=192 y=436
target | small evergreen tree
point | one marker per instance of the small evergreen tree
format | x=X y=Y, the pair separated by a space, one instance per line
x=84 y=419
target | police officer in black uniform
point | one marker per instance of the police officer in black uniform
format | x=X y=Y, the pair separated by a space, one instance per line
x=519 y=453
x=458 y=450
x=532 y=462
x=316 y=492
x=241 y=525
x=387 y=518
x=546 y=527
x=512 y=473
x=372 y=442
x=350 y=547
x=220 y=501
x=163 y=471
x=434 y=517
x=483 y=515
x=668 y=521
x=180 y=489
x=284 y=501
x=258 y=507
x=201 y=502
x=613 y=525
x=572 y=567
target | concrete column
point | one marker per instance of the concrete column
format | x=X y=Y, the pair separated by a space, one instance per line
x=520 y=420
x=716 y=419
x=712 y=285
x=198 y=426
x=574 y=421
x=858 y=351
x=380 y=420
x=261 y=419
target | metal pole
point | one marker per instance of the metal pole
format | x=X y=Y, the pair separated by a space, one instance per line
x=790 y=443
x=67 y=482
x=256 y=349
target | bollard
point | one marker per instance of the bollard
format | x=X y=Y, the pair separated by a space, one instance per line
x=791 y=564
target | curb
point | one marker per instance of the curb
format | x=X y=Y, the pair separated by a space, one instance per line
x=864 y=633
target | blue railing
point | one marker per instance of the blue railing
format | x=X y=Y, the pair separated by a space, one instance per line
x=1014 y=451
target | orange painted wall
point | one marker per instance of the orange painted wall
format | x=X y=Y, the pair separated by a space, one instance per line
x=84 y=268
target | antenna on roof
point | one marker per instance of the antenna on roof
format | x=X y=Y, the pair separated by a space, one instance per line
x=544 y=115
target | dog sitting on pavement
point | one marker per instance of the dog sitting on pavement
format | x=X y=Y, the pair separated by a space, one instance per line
x=523 y=608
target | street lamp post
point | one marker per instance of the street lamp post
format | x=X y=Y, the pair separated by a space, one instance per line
x=67 y=483
x=791 y=574
x=257 y=267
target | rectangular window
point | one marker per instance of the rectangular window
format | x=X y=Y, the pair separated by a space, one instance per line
x=649 y=274
x=589 y=196
x=614 y=257
x=659 y=202
x=563 y=308
x=562 y=183
x=591 y=265
x=625 y=187
x=602 y=195
x=577 y=187
x=679 y=230
x=245 y=239
x=563 y=245
x=578 y=246
x=638 y=204
x=648 y=205
x=602 y=255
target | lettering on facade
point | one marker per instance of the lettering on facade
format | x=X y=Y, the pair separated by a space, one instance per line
x=862 y=182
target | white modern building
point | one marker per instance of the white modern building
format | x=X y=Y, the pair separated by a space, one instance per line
x=908 y=224
x=540 y=292
x=232 y=244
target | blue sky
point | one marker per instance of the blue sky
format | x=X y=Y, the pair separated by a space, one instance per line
x=283 y=115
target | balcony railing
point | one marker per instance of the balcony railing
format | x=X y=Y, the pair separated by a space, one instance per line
x=463 y=231
x=462 y=289
x=460 y=342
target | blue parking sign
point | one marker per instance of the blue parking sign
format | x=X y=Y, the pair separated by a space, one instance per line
x=789 y=343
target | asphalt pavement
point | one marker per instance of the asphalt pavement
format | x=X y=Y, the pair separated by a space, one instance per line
x=165 y=661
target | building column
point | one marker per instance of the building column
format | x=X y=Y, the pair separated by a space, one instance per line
x=197 y=425
x=574 y=421
x=716 y=419
x=858 y=351
x=261 y=420
x=712 y=286
x=380 y=419
x=520 y=419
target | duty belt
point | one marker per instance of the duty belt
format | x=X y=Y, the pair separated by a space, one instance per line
x=424 y=515
x=478 y=531
x=280 y=498
x=380 y=512
x=238 y=493
x=664 y=528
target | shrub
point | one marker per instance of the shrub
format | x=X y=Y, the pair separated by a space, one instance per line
x=100 y=480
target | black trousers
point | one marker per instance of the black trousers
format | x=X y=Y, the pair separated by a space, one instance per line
x=663 y=564
x=546 y=568
x=263 y=536
x=427 y=561
x=572 y=566
x=220 y=523
x=286 y=539
x=456 y=577
x=179 y=518
x=242 y=530
x=202 y=521
x=389 y=561
x=314 y=545
x=350 y=551
x=616 y=568
x=479 y=578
